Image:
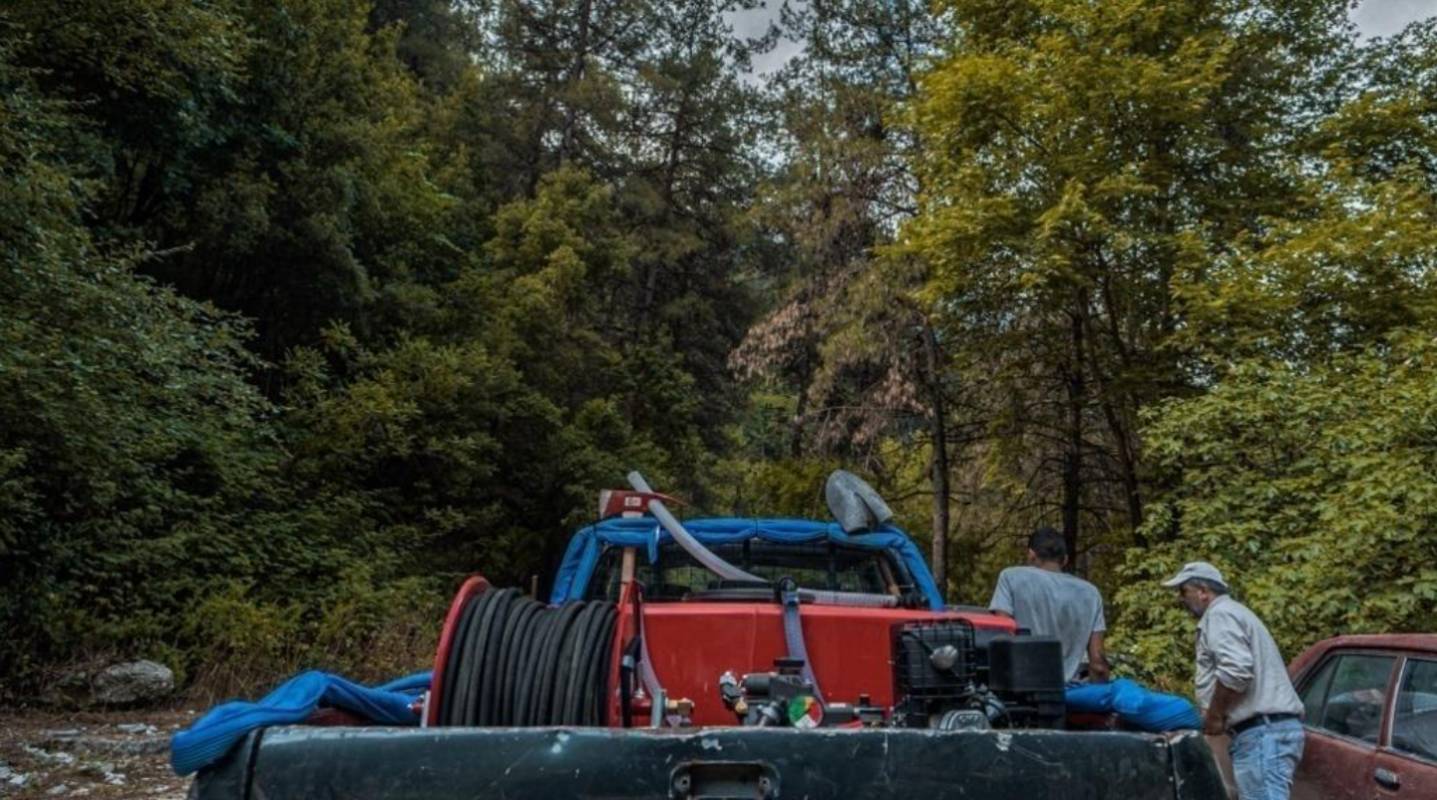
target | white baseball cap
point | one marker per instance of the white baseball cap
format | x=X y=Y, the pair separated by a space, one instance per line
x=1196 y=569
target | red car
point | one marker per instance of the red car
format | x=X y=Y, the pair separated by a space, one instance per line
x=1370 y=708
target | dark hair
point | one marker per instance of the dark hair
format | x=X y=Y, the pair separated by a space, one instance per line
x=1048 y=544
x=1211 y=586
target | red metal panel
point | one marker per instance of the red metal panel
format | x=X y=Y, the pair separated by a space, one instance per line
x=1333 y=768
x=1405 y=776
x=624 y=629
x=692 y=644
x=623 y=502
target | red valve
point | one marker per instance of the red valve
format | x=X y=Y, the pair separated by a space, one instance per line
x=628 y=503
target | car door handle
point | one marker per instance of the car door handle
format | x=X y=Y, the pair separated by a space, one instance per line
x=1387 y=778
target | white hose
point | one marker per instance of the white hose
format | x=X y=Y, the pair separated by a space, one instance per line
x=702 y=554
x=858 y=599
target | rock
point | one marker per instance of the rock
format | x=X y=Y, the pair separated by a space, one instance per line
x=133 y=682
x=136 y=727
x=63 y=733
x=9 y=777
x=111 y=745
x=57 y=789
x=99 y=770
x=61 y=759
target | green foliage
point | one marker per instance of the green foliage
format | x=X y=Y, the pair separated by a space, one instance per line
x=147 y=504
x=310 y=307
x=130 y=440
x=1304 y=467
x=776 y=488
x=1314 y=492
x=302 y=320
x=366 y=630
x=1078 y=160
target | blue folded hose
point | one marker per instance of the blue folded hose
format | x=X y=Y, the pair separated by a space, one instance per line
x=206 y=741
x=1134 y=704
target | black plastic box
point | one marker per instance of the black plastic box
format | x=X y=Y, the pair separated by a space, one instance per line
x=1025 y=665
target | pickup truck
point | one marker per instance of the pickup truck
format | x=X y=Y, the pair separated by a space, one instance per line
x=726 y=658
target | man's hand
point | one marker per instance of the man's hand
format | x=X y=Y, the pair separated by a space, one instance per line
x=1214 y=720
x=1098 y=669
x=1099 y=672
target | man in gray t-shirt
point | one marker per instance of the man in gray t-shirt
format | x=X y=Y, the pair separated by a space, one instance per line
x=1050 y=602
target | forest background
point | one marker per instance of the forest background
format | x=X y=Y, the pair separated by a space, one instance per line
x=310 y=307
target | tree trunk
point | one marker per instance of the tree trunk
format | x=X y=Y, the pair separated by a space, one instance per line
x=940 y=463
x=795 y=437
x=1073 y=459
x=1127 y=452
x=576 y=74
x=1127 y=460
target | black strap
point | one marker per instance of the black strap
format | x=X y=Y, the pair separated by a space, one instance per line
x=1261 y=719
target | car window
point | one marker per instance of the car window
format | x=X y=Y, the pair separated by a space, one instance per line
x=1414 y=727
x=1350 y=704
x=1315 y=691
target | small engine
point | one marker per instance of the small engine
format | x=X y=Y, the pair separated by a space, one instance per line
x=934 y=670
x=943 y=679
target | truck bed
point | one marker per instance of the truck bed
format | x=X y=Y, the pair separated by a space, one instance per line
x=534 y=763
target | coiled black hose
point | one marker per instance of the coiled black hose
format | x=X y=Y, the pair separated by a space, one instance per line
x=516 y=662
x=451 y=670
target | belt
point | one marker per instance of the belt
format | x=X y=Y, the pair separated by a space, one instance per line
x=1261 y=719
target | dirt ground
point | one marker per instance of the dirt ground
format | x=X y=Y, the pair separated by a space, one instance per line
x=101 y=755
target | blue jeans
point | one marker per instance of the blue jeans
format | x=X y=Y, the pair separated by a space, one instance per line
x=1264 y=758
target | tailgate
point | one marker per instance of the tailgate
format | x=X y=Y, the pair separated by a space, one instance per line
x=533 y=763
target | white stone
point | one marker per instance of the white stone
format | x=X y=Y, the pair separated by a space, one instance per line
x=133 y=682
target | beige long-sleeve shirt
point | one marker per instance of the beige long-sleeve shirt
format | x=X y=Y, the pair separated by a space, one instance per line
x=1235 y=649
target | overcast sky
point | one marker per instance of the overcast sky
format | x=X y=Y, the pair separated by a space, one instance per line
x=1386 y=17
x=1373 y=18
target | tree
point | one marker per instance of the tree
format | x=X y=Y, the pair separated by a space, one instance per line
x=363 y=299
x=861 y=357
x=131 y=433
x=1076 y=160
x=1304 y=467
x=269 y=146
x=154 y=78
x=437 y=39
x=1313 y=491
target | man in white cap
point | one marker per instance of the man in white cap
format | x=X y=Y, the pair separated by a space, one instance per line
x=1242 y=685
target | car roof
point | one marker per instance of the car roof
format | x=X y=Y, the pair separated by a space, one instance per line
x=1410 y=642
x=1389 y=641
